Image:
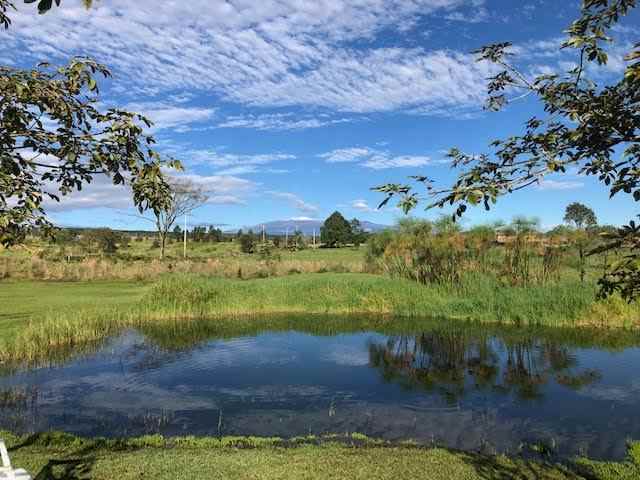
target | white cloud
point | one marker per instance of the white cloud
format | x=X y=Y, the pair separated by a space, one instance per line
x=101 y=193
x=341 y=155
x=296 y=202
x=280 y=122
x=228 y=163
x=383 y=161
x=277 y=53
x=167 y=116
x=362 y=206
x=559 y=185
x=374 y=159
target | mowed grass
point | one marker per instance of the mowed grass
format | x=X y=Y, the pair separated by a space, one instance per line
x=54 y=455
x=23 y=303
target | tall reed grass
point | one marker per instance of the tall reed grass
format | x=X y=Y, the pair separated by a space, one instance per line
x=176 y=302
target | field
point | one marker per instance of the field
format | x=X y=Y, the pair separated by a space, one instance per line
x=54 y=307
x=51 y=302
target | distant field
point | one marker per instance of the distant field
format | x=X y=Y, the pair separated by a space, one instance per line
x=195 y=250
x=139 y=261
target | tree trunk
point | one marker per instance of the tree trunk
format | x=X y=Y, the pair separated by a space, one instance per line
x=163 y=241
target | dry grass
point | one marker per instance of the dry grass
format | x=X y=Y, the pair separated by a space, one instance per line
x=115 y=269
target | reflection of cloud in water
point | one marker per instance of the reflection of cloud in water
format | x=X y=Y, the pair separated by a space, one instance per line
x=119 y=393
x=348 y=356
x=273 y=393
x=613 y=393
x=241 y=352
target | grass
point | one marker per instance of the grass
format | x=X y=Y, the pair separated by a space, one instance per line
x=41 y=261
x=55 y=455
x=234 y=306
x=22 y=303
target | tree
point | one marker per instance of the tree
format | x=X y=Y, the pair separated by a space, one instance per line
x=184 y=197
x=43 y=7
x=335 y=231
x=105 y=239
x=580 y=216
x=247 y=241
x=358 y=235
x=54 y=140
x=585 y=126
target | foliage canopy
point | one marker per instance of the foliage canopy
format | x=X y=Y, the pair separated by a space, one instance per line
x=593 y=128
x=54 y=140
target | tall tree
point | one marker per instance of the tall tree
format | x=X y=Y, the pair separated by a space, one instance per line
x=580 y=216
x=585 y=126
x=335 y=231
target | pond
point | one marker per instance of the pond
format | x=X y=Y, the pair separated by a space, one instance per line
x=459 y=388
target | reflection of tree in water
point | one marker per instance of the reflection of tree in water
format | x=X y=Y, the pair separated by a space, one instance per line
x=454 y=364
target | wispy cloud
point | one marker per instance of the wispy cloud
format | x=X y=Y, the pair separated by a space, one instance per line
x=362 y=206
x=281 y=122
x=297 y=202
x=164 y=115
x=342 y=155
x=559 y=185
x=374 y=159
x=102 y=193
x=230 y=163
x=280 y=53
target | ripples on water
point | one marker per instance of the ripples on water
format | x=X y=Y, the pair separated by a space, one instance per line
x=437 y=387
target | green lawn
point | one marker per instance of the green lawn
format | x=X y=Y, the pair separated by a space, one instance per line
x=55 y=456
x=23 y=302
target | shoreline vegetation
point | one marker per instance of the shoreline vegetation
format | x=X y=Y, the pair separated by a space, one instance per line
x=35 y=328
x=348 y=456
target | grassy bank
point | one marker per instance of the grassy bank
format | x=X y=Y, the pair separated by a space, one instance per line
x=353 y=457
x=38 y=319
x=479 y=298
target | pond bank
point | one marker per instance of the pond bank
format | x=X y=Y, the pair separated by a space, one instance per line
x=97 y=310
x=340 y=457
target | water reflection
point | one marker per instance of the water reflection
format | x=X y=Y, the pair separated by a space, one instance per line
x=452 y=364
x=463 y=387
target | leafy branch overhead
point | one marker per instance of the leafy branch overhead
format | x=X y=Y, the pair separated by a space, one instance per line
x=594 y=129
x=54 y=140
x=43 y=7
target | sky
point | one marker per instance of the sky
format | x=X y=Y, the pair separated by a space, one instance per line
x=287 y=109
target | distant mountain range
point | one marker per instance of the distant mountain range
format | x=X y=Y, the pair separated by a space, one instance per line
x=307 y=227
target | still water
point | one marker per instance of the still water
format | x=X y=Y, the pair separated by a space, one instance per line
x=474 y=392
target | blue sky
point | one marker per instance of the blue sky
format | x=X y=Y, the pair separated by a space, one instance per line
x=295 y=108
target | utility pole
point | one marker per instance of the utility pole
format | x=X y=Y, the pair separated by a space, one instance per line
x=184 y=253
x=264 y=239
x=286 y=238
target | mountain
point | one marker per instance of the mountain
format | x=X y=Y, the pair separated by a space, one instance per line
x=306 y=226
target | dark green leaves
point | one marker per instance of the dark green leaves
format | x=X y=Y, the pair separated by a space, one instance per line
x=53 y=141
x=586 y=127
